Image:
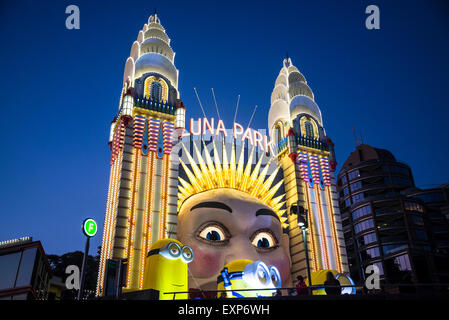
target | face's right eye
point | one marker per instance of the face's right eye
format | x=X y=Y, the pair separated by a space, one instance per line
x=213 y=233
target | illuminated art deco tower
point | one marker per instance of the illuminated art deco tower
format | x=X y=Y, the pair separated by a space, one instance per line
x=307 y=158
x=142 y=197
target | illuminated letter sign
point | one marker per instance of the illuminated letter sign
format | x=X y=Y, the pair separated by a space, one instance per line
x=254 y=137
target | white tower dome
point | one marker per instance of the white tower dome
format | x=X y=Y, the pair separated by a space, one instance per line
x=291 y=96
x=152 y=53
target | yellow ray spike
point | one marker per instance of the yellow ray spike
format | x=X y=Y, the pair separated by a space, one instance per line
x=225 y=164
x=276 y=206
x=205 y=173
x=247 y=172
x=182 y=191
x=267 y=184
x=210 y=165
x=191 y=177
x=195 y=168
x=239 y=177
x=278 y=199
x=185 y=185
x=232 y=165
x=260 y=180
x=218 y=167
x=272 y=191
x=255 y=174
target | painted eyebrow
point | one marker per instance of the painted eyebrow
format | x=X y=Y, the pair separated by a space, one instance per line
x=214 y=205
x=267 y=212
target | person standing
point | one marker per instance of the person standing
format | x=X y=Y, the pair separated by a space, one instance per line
x=301 y=287
x=331 y=285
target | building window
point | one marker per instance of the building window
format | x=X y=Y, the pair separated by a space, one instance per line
x=361 y=212
x=366 y=239
x=412 y=206
x=358 y=197
x=309 y=129
x=364 y=225
x=156 y=91
x=356 y=185
x=343 y=180
x=348 y=202
x=277 y=135
x=345 y=191
x=403 y=262
x=370 y=253
x=392 y=248
x=353 y=175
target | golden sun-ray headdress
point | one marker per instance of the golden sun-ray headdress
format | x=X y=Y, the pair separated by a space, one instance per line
x=212 y=174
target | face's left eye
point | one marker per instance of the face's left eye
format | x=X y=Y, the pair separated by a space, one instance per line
x=264 y=240
x=214 y=233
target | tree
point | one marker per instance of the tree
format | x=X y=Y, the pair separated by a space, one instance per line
x=59 y=264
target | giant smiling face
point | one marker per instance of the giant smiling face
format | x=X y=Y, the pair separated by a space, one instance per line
x=223 y=225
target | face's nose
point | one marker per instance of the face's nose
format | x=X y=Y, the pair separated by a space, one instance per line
x=240 y=248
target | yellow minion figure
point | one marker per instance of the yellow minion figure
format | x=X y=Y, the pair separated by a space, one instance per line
x=246 y=274
x=166 y=269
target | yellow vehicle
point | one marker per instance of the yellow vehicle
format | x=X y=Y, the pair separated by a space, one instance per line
x=246 y=274
x=166 y=269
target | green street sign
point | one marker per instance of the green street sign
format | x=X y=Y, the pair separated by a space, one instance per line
x=89 y=227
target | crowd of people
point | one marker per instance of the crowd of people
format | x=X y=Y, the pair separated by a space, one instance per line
x=331 y=286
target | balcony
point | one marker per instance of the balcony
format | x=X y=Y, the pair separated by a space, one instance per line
x=312 y=143
x=158 y=106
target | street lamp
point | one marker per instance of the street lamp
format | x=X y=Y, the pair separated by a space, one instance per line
x=301 y=216
x=89 y=228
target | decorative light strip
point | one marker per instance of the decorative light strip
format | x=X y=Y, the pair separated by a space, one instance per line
x=303 y=166
x=322 y=229
x=139 y=127
x=113 y=221
x=163 y=214
x=334 y=231
x=314 y=168
x=128 y=243
x=13 y=242
x=150 y=211
x=168 y=132
x=312 y=223
x=153 y=133
x=105 y=230
x=326 y=170
x=147 y=211
x=110 y=217
x=134 y=212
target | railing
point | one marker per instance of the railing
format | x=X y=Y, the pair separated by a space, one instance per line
x=384 y=291
x=158 y=106
x=312 y=143
x=206 y=293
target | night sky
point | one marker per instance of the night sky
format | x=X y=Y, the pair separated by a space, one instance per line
x=60 y=89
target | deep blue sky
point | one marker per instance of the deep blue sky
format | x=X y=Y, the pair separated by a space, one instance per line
x=60 y=89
